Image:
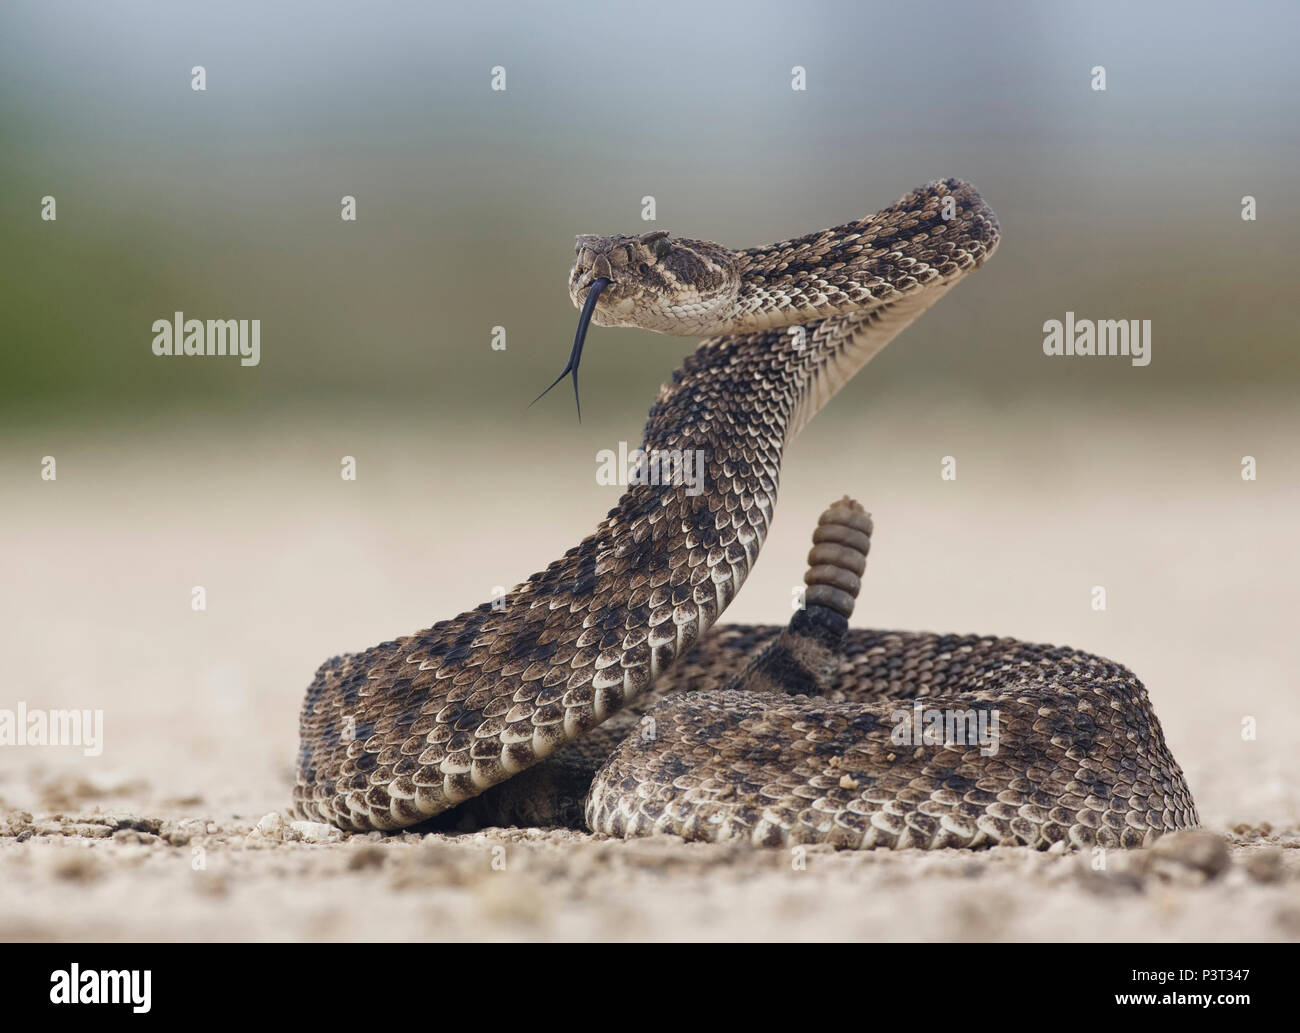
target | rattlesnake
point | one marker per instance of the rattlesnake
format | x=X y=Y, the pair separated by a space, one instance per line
x=760 y=734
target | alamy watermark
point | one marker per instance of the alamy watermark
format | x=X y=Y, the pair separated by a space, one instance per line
x=181 y=336
x=39 y=727
x=934 y=726
x=71 y=985
x=657 y=466
x=1131 y=337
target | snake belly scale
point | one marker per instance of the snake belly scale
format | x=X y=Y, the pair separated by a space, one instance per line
x=764 y=734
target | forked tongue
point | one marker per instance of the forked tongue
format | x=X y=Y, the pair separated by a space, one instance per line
x=575 y=356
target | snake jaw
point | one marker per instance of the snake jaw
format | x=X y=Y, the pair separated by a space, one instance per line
x=575 y=356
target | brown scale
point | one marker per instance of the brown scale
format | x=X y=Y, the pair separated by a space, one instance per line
x=803 y=658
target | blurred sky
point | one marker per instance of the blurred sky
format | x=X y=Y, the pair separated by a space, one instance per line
x=225 y=204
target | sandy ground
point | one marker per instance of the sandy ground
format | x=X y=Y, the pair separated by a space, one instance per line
x=171 y=832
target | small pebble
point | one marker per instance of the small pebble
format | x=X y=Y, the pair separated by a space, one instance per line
x=1265 y=865
x=367 y=856
x=315 y=831
x=1197 y=849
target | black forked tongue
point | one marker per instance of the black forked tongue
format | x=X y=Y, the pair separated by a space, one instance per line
x=575 y=356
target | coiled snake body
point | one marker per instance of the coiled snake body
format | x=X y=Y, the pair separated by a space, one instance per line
x=763 y=734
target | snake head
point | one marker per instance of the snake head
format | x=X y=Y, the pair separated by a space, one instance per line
x=670 y=285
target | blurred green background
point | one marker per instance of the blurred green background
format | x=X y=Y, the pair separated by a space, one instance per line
x=225 y=203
